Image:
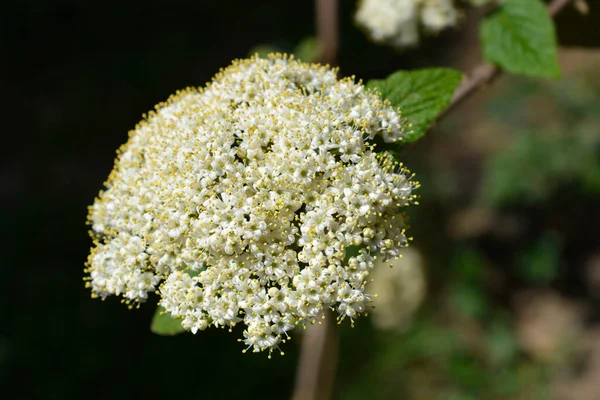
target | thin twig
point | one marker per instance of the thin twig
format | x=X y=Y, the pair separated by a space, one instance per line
x=478 y=78
x=318 y=358
x=485 y=73
x=327 y=29
x=556 y=6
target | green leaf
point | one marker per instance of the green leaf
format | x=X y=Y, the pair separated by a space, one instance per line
x=421 y=95
x=502 y=347
x=353 y=251
x=469 y=266
x=308 y=50
x=469 y=300
x=540 y=264
x=263 y=50
x=165 y=325
x=520 y=37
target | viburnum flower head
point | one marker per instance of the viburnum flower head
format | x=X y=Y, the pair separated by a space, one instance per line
x=236 y=203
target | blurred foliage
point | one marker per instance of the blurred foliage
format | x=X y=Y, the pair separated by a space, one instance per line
x=472 y=340
x=562 y=149
x=462 y=348
x=308 y=50
x=536 y=164
x=540 y=263
x=263 y=50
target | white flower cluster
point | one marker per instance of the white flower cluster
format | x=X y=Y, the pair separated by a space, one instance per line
x=243 y=198
x=398 y=22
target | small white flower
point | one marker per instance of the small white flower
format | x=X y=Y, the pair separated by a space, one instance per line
x=243 y=197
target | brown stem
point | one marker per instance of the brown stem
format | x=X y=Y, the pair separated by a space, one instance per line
x=318 y=356
x=480 y=76
x=557 y=5
x=485 y=72
x=327 y=29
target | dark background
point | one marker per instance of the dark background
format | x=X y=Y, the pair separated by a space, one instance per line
x=77 y=76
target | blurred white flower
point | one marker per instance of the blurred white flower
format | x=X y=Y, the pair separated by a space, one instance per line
x=243 y=197
x=400 y=288
x=397 y=22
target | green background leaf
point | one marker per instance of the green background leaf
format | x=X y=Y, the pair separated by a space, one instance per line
x=540 y=264
x=520 y=37
x=308 y=50
x=263 y=50
x=164 y=324
x=421 y=95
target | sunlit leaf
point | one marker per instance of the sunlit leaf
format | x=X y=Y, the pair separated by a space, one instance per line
x=520 y=38
x=421 y=95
